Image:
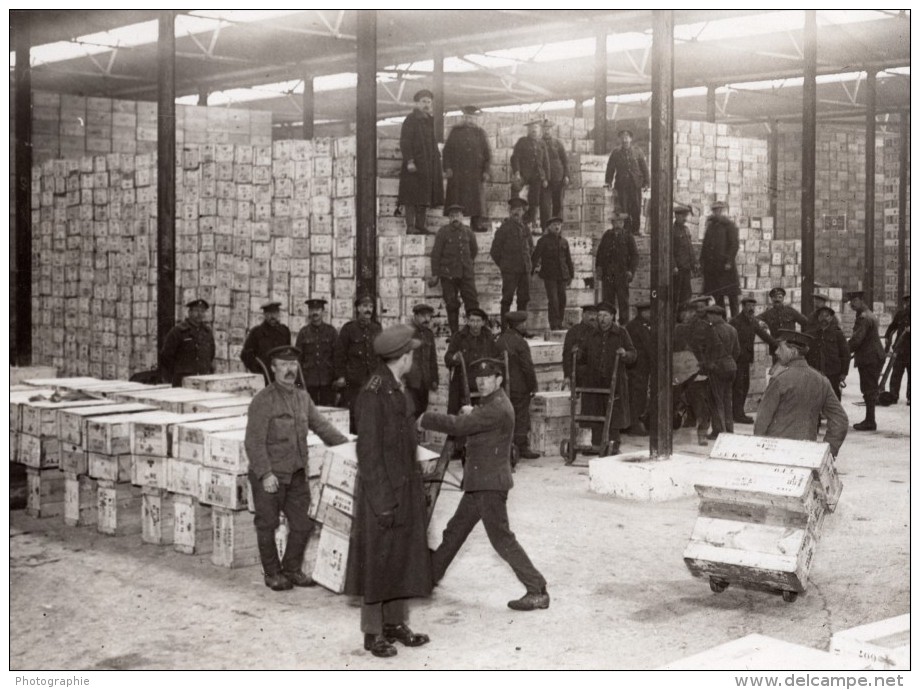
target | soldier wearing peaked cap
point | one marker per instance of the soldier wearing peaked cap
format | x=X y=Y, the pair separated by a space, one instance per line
x=552 y=258
x=421 y=184
x=188 y=349
x=280 y=417
x=467 y=165
x=683 y=257
x=530 y=168
x=615 y=262
x=455 y=249
x=316 y=342
x=820 y=301
x=268 y=335
x=522 y=378
x=388 y=560
x=721 y=365
x=829 y=352
x=575 y=338
x=781 y=317
x=354 y=354
x=797 y=396
x=423 y=377
x=511 y=250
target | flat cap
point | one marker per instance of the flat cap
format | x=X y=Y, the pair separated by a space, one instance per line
x=802 y=340
x=616 y=215
x=486 y=367
x=285 y=352
x=702 y=298
x=589 y=307
x=821 y=296
x=682 y=208
x=361 y=299
x=533 y=122
x=470 y=110
x=476 y=311
x=625 y=130
x=271 y=306
x=516 y=316
x=422 y=309
x=715 y=309
x=643 y=305
x=395 y=341
x=316 y=303
x=555 y=219
x=516 y=201
x=198 y=303
x=826 y=308
x=548 y=123
x=424 y=93
x=855 y=294
x=607 y=307
x=777 y=291
x=718 y=204
x=749 y=298
x=453 y=207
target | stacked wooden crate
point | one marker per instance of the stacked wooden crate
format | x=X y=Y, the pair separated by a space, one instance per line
x=890 y=205
x=884 y=644
x=762 y=509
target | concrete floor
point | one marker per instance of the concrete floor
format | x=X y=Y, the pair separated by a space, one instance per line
x=621 y=595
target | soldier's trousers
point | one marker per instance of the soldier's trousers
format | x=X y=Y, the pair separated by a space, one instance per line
x=490 y=507
x=453 y=289
x=732 y=303
x=897 y=375
x=416 y=219
x=616 y=291
x=740 y=388
x=375 y=616
x=629 y=200
x=322 y=395
x=638 y=378
x=720 y=398
x=551 y=201
x=682 y=289
x=698 y=399
x=868 y=382
x=515 y=283
x=555 y=299
x=294 y=500
x=521 y=404
x=534 y=192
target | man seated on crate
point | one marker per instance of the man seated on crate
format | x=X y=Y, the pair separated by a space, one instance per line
x=189 y=346
x=279 y=418
x=264 y=338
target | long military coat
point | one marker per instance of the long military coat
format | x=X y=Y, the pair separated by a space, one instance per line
x=468 y=156
x=425 y=186
x=720 y=247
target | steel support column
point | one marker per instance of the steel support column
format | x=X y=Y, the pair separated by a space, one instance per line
x=579 y=108
x=710 y=103
x=22 y=288
x=203 y=94
x=809 y=116
x=437 y=112
x=774 y=167
x=366 y=162
x=662 y=155
x=903 y=169
x=166 y=176
x=309 y=107
x=869 y=282
x=600 y=94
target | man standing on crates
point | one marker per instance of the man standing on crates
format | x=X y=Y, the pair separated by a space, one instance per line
x=467 y=157
x=552 y=197
x=553 y=260
x=869 y=356
x=683 y=258
x=530 y=168
x=522 y=379
x=627 y=171
x=452 y=257
x=316 y=342
x=189 y=346
x=511 y=250
x=388 y=559
x=264 y=338
x=354 y=353
x=279 y=418
x=717 y=257
x=421 y=184
x=617 y=256
x=422 y=378
x=486 y=482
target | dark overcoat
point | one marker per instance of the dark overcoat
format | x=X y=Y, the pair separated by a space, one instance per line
x=468 y=156
x=317 y=353
x=554 y=258
x=595 y=368
x=386 y=563
x=829 y=352
x=424 y=186
x=523 y=378
x=259 y=342
x=720 y=247
x=187 y=351
x=472 y=347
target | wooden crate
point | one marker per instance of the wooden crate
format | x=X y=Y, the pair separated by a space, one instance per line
x=18 y=399
x=236 y=405
x=236 y=383
x=73 y=458
x=223 y=489
x=189 y=438
x=182 y=477
x=40 y=417
x=39 y=452
x=235 y=543
x=545 y=351
x=119 y=508
x=884 y=645
x=334 y=499
x=110 y=435
x=226 y=451
x=551 y=404
x=158 y=516
x=79 y=500
x=72 y=422
x=762 y=653
x=331 y=559
x=340 y=467
x=192 y=531
x=337 y=416
x=112 y=468
x=149 y=471
x=45 y=496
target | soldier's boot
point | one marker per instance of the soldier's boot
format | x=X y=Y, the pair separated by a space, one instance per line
x=868 y=424
x=292 y=563
x=525 y=452
x=701 y=438
x=453 y=320
x=271 y=565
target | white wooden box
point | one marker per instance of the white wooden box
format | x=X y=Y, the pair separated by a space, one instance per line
x=884 y=645
x=331 y=559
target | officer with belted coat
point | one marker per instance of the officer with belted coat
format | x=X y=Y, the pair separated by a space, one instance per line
x=189 y=346
x=264 y=338
x=316 y=342
x=355 y=358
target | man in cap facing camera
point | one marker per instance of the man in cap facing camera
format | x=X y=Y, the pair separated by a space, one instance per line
x=474 y=341
x=797 y=396
x=575 y=338
x=820 y=301
x=189 y=346
x=423 y=376
x=717 y=258
x=552 y=258
x=530 y=168
x=828 y=351
x=264 y=338
x=421 y=184
x=683 y=257
x=316 y=342
x=467 y=160
x=511 y=250
x=279 y=418
x=455 y=248
x=388 y=560
x=354 y=354
x=627 y=171
x=486 y=482
x=615 y=262
x=781 y=317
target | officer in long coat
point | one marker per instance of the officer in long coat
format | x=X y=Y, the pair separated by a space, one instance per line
x=797 y=396
x=354 y=355
x=900 y=329
x=828 y=351
x=388 y=559
x=530 y=168
x=640 y=332
x=595 y=369
x=522 y=379
x=486 y=482
x=552 y=258
x=511 y=250
x=616 y=260
x=423 y=377
x=421 y=183
x=455 y=248
x=467 y=160
x=189 y=346
x=683 y=257
x=316 y=342
x=627 y=171
x=558 y=173
x=747 y=326
x=868 y=356
x=575 y=338
x=717 y=257
x=781 y=317
x=264 y=338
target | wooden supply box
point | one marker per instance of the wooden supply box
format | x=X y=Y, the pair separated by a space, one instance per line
x=79 y=500
x=192 y=529
x=158 y=516
x=331 y=559
x=45 y=496
x=112 y=468
x=235 y=543
x=149 y=471
x=884 y=645
x=223 y=489
x=119 y=509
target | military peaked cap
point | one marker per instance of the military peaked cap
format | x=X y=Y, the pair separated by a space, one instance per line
x=271 y=306
x=453 y=207
x=316 y=303
x=777 y=291
x=285 y=352
x=422 y=308
x=395 y=341
x=424 y=93
x=361 y=299
x=802 y=340
x=715 y=309
x=607 y=307
x=486 y=367
x=470 y=110
x=476 y=311
x=198 y=303
x=516 y=201
x=516 y=316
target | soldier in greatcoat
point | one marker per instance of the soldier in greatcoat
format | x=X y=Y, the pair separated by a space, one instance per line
x=747 y=326
x=421 y=184
x=639 y=372
x=552 y=258
x=354 y=355
x=422 y=378
x=522 y=379
x=264 y=338
x=575 y=337
x=595 y=369
x=316 y=342
x=388 y=559
x=511 y=250
x=717 y=257
x=627 y=171
x=868 y=356
x=781 y=317
x=467 y=159
x=552 y=198
x=683 y=257
x=486 y=482
x=530 y=168
x=189 y=346
x=828 y=351
x=616 y=260
x=797 y=396
x=455 y=248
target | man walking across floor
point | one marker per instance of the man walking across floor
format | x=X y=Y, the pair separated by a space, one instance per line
x=747 y=326
x=868 y=356
x=627 y=171
x=616 y=260
x=421 y=185
x=452 y=257
x=487 y=480
x=511 y=250
x=522 y=379
x=552 y=258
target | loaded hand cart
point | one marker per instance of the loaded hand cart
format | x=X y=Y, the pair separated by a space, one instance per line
x=568 y=447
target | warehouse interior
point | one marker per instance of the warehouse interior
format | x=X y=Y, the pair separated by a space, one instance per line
x=247 y=156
